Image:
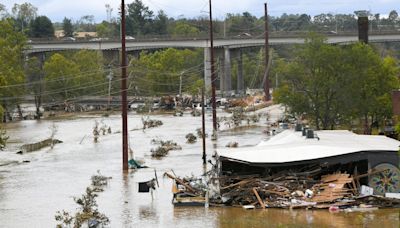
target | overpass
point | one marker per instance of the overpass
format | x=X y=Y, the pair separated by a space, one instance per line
x=225 y=49
x=192 y=43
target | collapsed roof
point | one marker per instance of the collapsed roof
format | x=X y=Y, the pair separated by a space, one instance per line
x=291 y=146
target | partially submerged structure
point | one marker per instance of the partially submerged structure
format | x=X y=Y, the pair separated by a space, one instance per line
x=372 y=160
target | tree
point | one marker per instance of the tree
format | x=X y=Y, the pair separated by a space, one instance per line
x=393 y=15
x=68 y=28
x=158 y=73
x=139 y=19
x=238 y=24
x=12 y=44
x=313 y=82
x=23 y=15
x=183 y=29
x=34 y=75
x=41 y=27
x=61 y=77
x=3 y=11
x=86 y=24
x=372 y=80
x=91 y=77
x=332 y=84
x=160 y=23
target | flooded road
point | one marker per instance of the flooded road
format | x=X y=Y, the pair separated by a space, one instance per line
x=32 y=192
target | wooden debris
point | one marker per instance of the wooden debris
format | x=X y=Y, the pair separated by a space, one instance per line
x=259 y=198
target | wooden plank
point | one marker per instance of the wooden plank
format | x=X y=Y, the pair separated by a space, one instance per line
x=236 y=184
x=259 y=198
x=188 y=187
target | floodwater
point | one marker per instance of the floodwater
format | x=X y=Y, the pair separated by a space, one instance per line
x=32 y=192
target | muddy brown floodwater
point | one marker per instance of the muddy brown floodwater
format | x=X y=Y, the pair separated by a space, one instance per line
x=32 y=192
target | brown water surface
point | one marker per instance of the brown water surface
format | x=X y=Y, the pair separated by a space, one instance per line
x=31 y=193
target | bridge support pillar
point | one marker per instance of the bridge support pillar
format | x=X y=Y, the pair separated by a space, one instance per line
x=227 y=70
x=221 y=73
x=111 y=57
x=207 y=69
x=240 y=79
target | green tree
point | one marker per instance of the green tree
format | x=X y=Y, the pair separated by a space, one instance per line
x=160 y=23
x=159 y=73
x=313 y=82
x=34 y=75
x=332 y=84
x=242 y=23
x=68 y=28
x=61 y=77
x=139 y=19
x=372 y=80
x=23 y=15
x=3 y=11
x=86 y=24
x=183 y=29
x=41 y=27
x=91 y=77
x=12 y=44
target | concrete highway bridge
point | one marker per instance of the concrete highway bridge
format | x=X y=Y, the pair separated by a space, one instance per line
x=225 y=49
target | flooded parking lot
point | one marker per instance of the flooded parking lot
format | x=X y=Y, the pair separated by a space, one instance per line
x=32 y=192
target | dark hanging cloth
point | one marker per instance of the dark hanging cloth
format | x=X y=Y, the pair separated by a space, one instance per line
x=144 y=187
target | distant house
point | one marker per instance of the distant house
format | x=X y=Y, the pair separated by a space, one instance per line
x=79 y=35
x=83 y=35
x=59 y=33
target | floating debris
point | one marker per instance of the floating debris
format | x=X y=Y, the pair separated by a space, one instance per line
x=164 y=148
x=149 y=123
x=199 y=133
x=191 y=138
x=87 y=213
x=232 y=144
x=39 y=145
x=195 y=112
x=99 y=181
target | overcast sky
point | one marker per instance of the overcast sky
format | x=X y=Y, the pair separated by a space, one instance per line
x=56 y=10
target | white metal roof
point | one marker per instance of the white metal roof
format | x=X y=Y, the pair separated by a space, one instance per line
x=291 y=146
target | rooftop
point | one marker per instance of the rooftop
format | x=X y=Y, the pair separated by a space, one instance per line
x=291 y=146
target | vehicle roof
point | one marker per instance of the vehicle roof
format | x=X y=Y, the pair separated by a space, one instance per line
x=291 y=146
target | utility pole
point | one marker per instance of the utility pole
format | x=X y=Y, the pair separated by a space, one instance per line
x=124 y=92
x=203 y=126
x=214 y=106
x=266 y=82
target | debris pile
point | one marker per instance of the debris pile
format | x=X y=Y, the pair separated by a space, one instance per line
x=296 y=190
x=190 y=191
x=99 y=181
x=3 y=138
x=191 y=138
x=195 y=112
x=238 y=118
x=39 y=145
x=87 y=214
x=232 y=144
x=163 y=148
x=149 y=123
x=199 y=133
x=285 y=189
